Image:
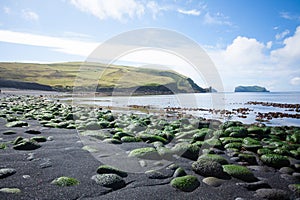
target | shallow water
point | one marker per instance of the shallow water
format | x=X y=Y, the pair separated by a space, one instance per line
x=220 y=101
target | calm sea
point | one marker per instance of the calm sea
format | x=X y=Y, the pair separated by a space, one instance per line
x=217 y=101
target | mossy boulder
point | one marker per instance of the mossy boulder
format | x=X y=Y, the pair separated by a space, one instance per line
x=152 y=138
x=179 y=172
x=112 y=141
x=226 y=140
x=263 y=151
x=186 y=150
x=165 y=153
x=249 y=158
x=10 y=190
x=236 y=131
x=250 y=141
x=39 y=138
x=234 y=145
x=106 y=169
x=65 y=181
x=27 y=145
x=214 y=157
x=129 y=139
x=213 y=142
x=9 y=132
x=16 y=124
x=208 y=168
x=256 y=130
x=275 y=160
x=240 y=172
x=186 y=183
x=5 y=172
x=113 y=181
x=145 y=153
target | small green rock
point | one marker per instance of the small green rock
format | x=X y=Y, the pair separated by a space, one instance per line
x=240 y=172
x=186 y=183
x=214 y=157
x=106 y=169
x=275 y=160
x=16 y=124
x=145 y=153
x=65 y=181
x=10 y=190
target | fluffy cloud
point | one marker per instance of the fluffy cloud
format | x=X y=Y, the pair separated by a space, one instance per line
x=295 y=81
x=116 y=9
x=290 y=52
x=189 y=12
x=30 y=15
x=244 y=51
x=249 y=61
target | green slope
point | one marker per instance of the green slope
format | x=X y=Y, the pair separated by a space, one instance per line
x=63 y=76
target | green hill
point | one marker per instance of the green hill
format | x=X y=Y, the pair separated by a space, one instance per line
x=62 y=76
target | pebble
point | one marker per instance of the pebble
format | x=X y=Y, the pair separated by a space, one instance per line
x=31 y=156
x=10 y=190
x=213 y=181
x=143 y=163
x=26 y=176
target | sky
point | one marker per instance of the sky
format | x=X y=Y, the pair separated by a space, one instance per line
x=250 y=42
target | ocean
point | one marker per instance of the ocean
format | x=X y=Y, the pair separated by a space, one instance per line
x=207 y=105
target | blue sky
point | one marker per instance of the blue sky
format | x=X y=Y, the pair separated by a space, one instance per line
x=250 y=42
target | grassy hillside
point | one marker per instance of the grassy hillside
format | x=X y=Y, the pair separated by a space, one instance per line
x=63 y=75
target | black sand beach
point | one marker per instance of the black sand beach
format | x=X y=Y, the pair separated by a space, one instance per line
x=59 y=153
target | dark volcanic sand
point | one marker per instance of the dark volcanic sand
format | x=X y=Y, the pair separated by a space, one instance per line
x=63 y=156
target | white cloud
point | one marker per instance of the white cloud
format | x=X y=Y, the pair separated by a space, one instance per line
x=116 y=9
x=30 y=15
x=289 y=16
x=193 y=12
x=217 y=19
x=6 y=10
x=295 y=81
x=282 y=35
x=68 y=46
x=290 y=53
x=244 y=51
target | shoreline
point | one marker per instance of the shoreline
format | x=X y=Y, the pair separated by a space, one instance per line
x=59 y=140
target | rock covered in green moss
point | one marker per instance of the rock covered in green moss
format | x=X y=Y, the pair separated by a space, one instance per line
x=240 y=172
x=145 y=153
x=179 y=172
x=65 y=181
x=10 y=190
x=106 y=169
x=113 y=181
x=295 y=188
x=151 y=138
x=186 y=183
x=39 y=138
x=208 y=168
x=186 y=150
x=214 y=157
x=16 y=124
x=9 y=132
x=275 y=160
x=5 y=172
x=27 y=145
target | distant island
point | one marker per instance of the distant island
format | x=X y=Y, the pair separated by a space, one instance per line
x=254 y=88
x=115 y=79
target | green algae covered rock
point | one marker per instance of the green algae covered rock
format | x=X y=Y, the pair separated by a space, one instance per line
x=145 y=153
x=10 y=190
x=152 y=138
x=214 y=157
x=186 y=183
x=27 y=145
x=106 y=169
x=65 y=181
x=275 y=160
x=16 y=124
x=186 y=150
x=113 y=181
x=240 y=172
